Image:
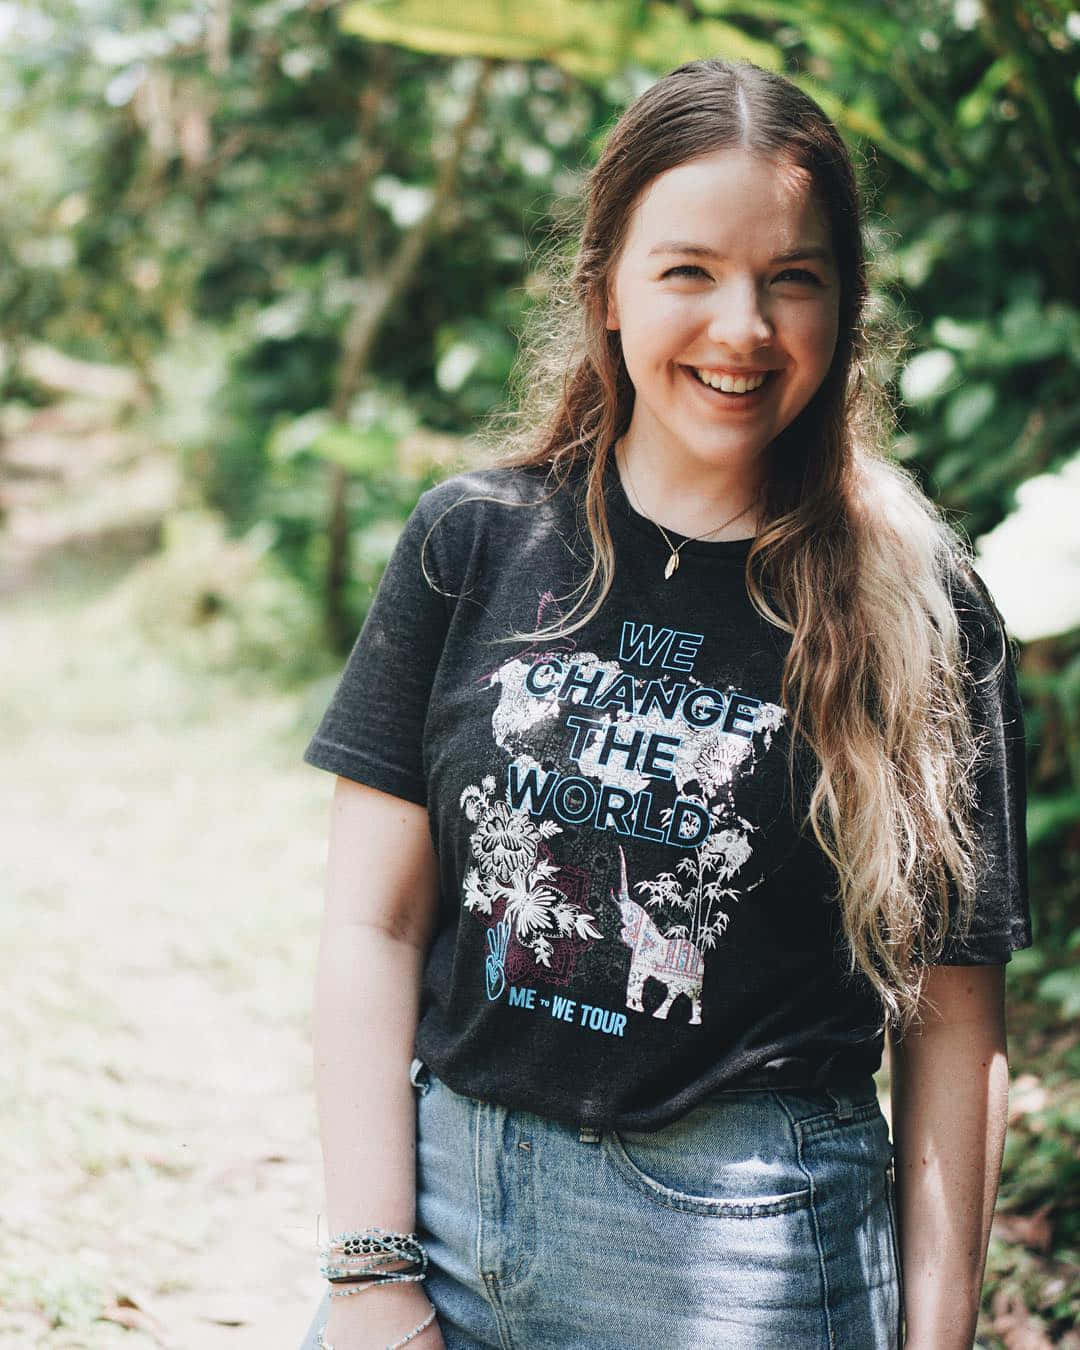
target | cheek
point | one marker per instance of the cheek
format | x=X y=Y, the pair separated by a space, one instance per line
x=651 y=330
x=817 y=333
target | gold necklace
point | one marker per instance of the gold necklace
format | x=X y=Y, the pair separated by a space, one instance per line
x=673 y=562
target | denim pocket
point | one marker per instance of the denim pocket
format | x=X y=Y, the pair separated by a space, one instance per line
x=826 y=1119
x=735 y=1160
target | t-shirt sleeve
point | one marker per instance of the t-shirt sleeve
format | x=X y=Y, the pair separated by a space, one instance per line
x=1001 y=923
x=372 y=730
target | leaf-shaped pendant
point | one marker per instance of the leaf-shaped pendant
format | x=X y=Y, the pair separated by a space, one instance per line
x=672 y=566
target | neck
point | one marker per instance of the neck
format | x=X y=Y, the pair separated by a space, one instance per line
x=686 y=500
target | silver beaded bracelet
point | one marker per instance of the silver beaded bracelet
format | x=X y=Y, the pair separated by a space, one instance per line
x=354 y=1257
x=321 y=1343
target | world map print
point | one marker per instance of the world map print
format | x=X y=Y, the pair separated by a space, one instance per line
x=649 y=754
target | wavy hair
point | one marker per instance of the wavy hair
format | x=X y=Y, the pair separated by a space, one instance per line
x=852 y=559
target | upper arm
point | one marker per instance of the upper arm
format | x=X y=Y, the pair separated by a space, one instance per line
x=966 y=1000
x=382 y=868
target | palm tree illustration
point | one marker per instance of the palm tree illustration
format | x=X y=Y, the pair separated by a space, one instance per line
x=698 y=888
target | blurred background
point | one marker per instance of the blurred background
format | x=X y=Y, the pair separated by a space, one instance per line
x=263 y=268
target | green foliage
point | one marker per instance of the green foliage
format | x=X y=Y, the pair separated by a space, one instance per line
x=220 y=605
x=1062 y=988
x=589 y=38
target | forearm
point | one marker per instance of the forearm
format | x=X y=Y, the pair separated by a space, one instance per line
x=366 y=1006
x=950 y=1099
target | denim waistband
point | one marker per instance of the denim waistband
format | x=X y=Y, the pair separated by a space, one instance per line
x=767 y=1079
x=858 y=1086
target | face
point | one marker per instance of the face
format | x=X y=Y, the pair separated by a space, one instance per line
x=708 y=281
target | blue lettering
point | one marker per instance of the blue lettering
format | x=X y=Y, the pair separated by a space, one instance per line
x=522 y=998
x=660 y=748
x=575 y=680
x=642 y=828
x=660 y=696
x=564 y=807
x=684 y=651
x=711 y=714
x=532 y=683
x=584 y=729
x=619 y=692
x=631 y=748
x=616 y=804
x=640 y=644
x=528 y=791
x=742 y=709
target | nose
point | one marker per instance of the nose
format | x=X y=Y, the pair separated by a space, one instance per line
x=738 y=320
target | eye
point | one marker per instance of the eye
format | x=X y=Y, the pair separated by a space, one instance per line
x=686 y=269
x=801 y=273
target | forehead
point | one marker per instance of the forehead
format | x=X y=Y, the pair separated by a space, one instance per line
x=727 y=200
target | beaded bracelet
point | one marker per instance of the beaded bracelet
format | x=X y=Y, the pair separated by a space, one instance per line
x=321 y=1343
x=359 y=1257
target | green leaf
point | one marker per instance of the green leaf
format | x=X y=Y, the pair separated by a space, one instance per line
x=370 y=450
x=590 y=38
x=294 y=435
x=1026 y=333
x=1028 y=961
x=968 y=408
x=960 y=336
x=927 y=375
x=1062 y=987
x=1046 y=816
x=975 y=108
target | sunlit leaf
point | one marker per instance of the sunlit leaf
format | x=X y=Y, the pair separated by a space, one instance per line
x=589 y=38
x=927 y=375
x=973 y=109
x=369 y=450
x=968 y=408
x=1062 y=987
x=1048 y=816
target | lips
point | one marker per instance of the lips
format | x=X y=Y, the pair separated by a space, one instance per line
x=729 y=381
x=732 y=400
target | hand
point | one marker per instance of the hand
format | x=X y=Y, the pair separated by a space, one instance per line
x=381 y=1316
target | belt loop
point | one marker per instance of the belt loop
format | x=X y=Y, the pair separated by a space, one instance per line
x=587 y=1135
x=842 y=1101
x=419 y=1076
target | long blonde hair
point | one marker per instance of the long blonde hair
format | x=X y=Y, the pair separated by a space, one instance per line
x=852 y=559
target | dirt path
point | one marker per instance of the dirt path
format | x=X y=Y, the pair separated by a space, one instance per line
x=163 y=850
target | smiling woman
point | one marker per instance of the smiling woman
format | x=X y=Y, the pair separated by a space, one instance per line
x=740 y=316
x=679 y=759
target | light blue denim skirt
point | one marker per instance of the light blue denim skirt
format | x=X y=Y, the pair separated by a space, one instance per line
x=762 y=1220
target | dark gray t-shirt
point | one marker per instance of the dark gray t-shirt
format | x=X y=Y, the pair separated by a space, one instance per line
x=629 y=916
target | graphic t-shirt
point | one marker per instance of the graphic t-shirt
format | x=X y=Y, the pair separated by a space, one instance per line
x=629 y=915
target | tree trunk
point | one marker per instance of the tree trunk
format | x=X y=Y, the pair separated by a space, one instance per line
x=361 y=332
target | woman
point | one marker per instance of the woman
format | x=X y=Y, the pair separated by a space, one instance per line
x=680 y=757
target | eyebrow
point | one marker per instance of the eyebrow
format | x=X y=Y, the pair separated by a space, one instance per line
x=700 y=251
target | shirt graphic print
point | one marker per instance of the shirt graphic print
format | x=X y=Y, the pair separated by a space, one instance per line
x=643 y=749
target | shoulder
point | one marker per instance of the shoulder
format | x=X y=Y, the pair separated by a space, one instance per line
x=512 y=486
x=988 y=655
x=489 y=500
x=981 y=622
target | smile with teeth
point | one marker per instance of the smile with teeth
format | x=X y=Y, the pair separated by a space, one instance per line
x=731 y=384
